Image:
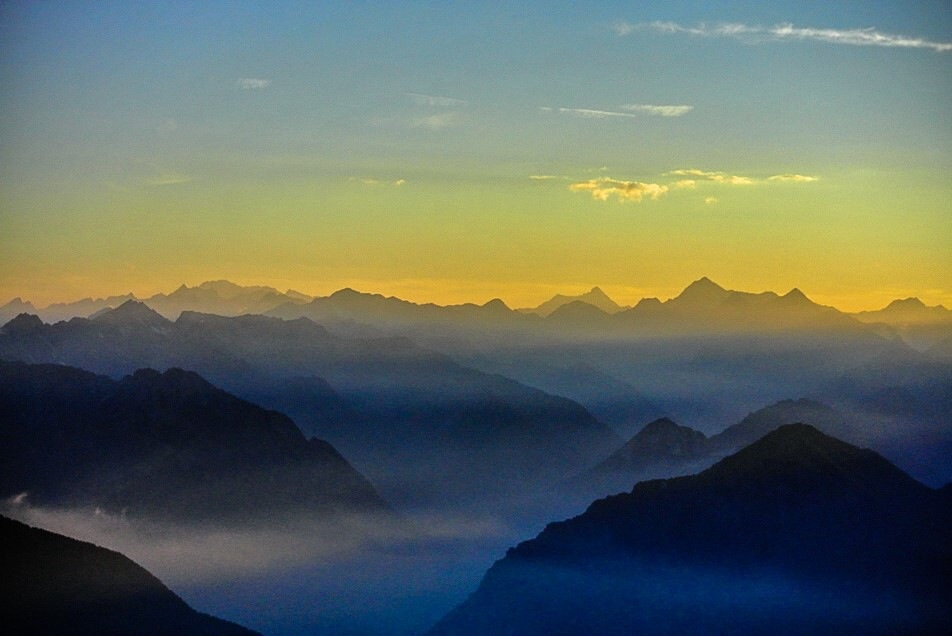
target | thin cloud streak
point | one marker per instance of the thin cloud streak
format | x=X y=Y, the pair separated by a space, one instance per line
x=663 y=111
x=787 y=32
x=586 y=113
x=716 y=177
x=794 y=178
x=253 y=83
x=436 y=101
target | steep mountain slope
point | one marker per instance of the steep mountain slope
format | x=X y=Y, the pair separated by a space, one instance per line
x=594 y=297
x=165 y=445
x=796 y=533
x=56 y=585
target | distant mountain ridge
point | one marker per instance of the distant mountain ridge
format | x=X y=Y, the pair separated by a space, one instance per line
x=663 y=448
x=796 y=533
x=56 y=585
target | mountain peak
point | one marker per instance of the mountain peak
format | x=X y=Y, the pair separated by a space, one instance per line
x=132 y=312
x=497 y=305
x=795 y=295
x=805 y=459
x=24 y=323
x=906 y=303
x=703 y=289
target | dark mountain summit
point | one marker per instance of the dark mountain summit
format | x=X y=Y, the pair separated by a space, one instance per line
x=757 y=424
x=132 y=312
x=796 y=533
x=56 y=585
x=660 y=440
x=168 y=445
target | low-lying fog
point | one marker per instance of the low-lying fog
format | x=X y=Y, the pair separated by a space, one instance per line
x=351 y=575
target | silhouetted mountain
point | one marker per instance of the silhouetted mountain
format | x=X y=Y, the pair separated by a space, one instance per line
x=81 y=308
x=796 y=533
x=757 y=424
x=14 y=308
x=660 y=449
x=56 y=585
x=595 y=297
x=167 y=445
x=133 y=313
x=222 y=298
x=706 y=307
x=661 y=440
x=918 y=325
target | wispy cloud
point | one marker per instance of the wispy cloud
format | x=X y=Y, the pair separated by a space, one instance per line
x=702 y=175
x=710 y=200
x=604 y=188
x=379 y=182
x=546 y=177
x=663 y=111
x=438 y=121
x=794 y=178
x=586 y=113
x=253 y=83
x=436 y=101
x=168 y=179
x=787 y=32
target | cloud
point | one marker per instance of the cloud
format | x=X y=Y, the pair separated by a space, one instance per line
x=710 y=200
x=664 y=111
x=168 y=178
x=251 y=83
x=379 y=182
x=438 y=121
x=716 y=177
x=788 y=32
x=586 y=113
x=436 y=101
x=795 y=178
x=604 y=188
x=545 y=177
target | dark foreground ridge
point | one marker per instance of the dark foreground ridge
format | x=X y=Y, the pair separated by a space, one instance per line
x=56 y=585
x=168 y=445
x=796 y=533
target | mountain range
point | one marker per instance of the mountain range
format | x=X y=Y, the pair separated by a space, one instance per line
x=663 y=448
x=796 y=533
x=401 y=412
x=56 y=585
x=168 y=446
x=722 y=310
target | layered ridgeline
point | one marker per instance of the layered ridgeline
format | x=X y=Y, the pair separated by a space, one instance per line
x=796 y=533
x=664 y=448
x=402 y=413
x=166 y=446
x=216 y=297
x=56 y=585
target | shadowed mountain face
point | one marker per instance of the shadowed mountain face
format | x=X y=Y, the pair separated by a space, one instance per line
x=595 y=297
x=164 y=445
x=403 y=413
x=797 y=533
x=56 y=585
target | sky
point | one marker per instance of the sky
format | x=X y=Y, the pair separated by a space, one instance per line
x=460 y=151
